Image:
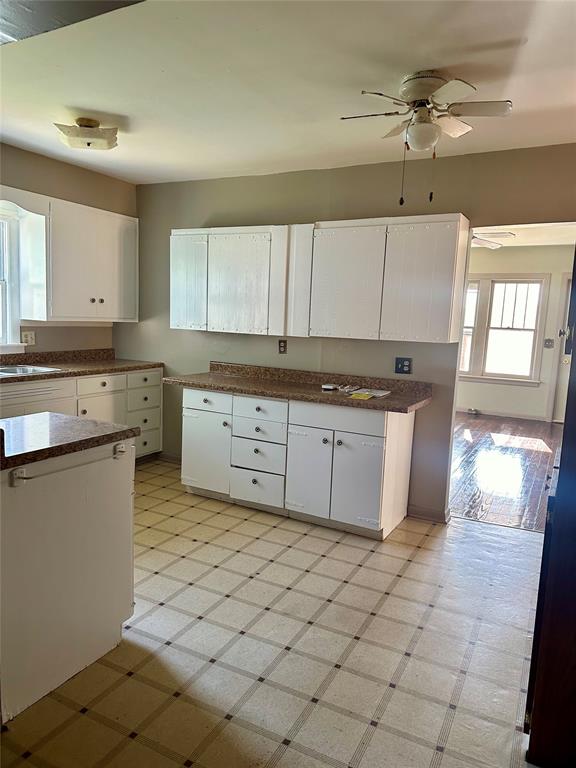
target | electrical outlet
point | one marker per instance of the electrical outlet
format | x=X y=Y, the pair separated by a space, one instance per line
x=282 y=346
x=403 y=365
x=28 y=338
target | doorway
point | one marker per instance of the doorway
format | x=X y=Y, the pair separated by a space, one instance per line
x=513 y=377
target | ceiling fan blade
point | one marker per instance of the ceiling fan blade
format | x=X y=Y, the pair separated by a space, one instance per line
x=452 y=126
x=400 y=128
x=452 y=90
x=481 y=109
x=394 y=99
x=481 y=243
x=375 y=114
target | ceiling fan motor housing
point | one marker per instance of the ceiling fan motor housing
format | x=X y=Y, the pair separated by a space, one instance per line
x=420 y=86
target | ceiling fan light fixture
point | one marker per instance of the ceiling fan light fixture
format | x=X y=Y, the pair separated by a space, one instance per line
x=87 y=134
x=422 y=136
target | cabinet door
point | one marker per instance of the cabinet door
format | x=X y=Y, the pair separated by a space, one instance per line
x=238 y=282
x=308 y=470
x=419 y=281
x=206 y=441
x=118 y=273
x=347 y=273
x=188 y=281
x=357 y=479
x=75 y=251
x=66 y=405
x=111 y=408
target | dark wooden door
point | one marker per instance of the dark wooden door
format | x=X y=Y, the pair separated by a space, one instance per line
x=551 y=710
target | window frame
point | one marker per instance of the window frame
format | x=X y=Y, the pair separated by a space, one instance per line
x=11 y=341
x=478 y=355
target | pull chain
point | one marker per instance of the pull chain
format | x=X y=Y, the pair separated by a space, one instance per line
x=431 y=195
x=406 y=147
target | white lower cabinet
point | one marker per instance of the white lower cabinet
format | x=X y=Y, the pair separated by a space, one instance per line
x=110 y=407
x=309 y=470
x=357 y=479
x=206 y=443
x=346 y=465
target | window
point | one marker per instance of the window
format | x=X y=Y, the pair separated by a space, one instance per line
x=3 y=281
x=9 y=289
x=503 y=327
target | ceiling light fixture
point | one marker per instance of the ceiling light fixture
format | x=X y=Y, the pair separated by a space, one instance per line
x=422 y=133
x=87 y=134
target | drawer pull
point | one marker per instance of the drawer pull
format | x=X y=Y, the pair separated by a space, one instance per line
x=256 y=450
x=339 y=442
x=145 y=398
x=145 y=379
x=224 y=423
x=257 y=429
x=205 y=400
x=103 y=383
x=144 y=421
x=92 y=300
x=325 y=440
x=83 y=411
x=145 y=442
x=258 y=409
x=254 y=481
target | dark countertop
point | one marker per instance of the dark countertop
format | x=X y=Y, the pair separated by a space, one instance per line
x=39 y=436
x=81 y=368
x=290 y=384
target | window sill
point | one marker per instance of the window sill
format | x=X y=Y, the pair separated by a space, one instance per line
x=12 y=349
x=499 y=380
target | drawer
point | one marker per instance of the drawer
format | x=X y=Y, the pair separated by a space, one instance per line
x=110 y=407
x=95 y=385
x=144 y=419
x=257 y=487
x=150 y=378
x=145 y=397
x=260 y=408
x=204 y=400
x=259 y=429
x=337 y=417
x=31 y=391
x=148 y=442
x=255 y=454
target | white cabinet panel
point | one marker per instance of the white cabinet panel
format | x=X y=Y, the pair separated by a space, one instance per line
x=309 y=470
x=188 y=281
x=148 y=442
x=347 y=274
x=110 y=407
x=206 y=440
x=418 y=295
x=147 y=378
x=118 y=268
x=260 y=408
x=66 y=405
x=145 y=419
x=357 y=479
x=145 y=397
x=207 y=401
x=256 y=487
x=342 y=417
x=260 y=429
x=256 y=454
x=95 y=385
x=238 y=282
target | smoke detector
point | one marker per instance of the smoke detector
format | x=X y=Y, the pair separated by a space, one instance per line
x=87 y=134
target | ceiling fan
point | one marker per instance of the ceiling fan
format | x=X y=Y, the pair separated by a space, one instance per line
x=435 y=107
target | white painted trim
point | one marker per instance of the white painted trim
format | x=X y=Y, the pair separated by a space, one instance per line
x=502 y=414
x=565 y=279
x=465 y=377
x=12 y=349
x=429 y=514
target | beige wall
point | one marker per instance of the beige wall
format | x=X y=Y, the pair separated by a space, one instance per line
x=516 y=400
x=37 y=173
x=535 y=185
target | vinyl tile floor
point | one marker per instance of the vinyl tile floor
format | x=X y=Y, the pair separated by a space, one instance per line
x=258 y=640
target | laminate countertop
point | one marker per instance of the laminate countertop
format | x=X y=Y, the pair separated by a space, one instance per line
x=76 y=368
x=39 y=436
x=291 y=384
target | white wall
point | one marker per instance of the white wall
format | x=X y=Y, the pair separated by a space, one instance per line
x=512 y=399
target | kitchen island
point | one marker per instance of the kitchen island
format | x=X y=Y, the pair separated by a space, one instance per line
x=66 y=487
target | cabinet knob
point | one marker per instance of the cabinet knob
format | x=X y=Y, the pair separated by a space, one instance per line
x=258 y=409
x=144 y=421
x=103 y=383
x=83 y=411
x=325 y=440
x=92 y=300
x=256 y=450
x=145 y=378
x=546 y=487
x=205 y=400
x=548 y=477
x=254 y=481
x=100 y=301
x=257 y=429
x=145 y=442
x=145 y=398
x=224 y=423
x=338 y=442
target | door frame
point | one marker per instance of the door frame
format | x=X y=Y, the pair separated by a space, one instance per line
x=562 y=310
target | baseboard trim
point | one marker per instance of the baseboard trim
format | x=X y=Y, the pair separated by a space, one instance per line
x=503 y=415
x=430 y=515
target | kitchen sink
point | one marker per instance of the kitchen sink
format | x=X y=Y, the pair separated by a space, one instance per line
x=24 y=370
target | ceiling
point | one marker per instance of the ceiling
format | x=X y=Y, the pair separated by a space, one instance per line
x=530 y=235
x=211 y=89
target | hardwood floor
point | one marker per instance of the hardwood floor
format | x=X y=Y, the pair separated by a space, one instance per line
x=500 y=467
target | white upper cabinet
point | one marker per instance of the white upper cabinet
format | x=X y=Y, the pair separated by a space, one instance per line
x=238 y=282
x=76 y=263
x=188 y=281
x=347 y=274
x=423 y=281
